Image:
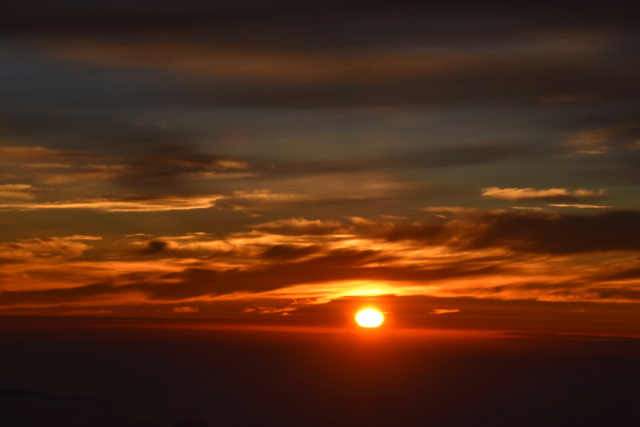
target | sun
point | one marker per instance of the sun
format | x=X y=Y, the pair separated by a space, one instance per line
x=369 y=318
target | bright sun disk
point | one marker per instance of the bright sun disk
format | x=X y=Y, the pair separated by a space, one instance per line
x=369 y=318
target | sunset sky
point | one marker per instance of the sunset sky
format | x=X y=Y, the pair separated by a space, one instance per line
x=287 y=162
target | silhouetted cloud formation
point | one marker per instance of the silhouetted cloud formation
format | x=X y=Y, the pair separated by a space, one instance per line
x=154 y=247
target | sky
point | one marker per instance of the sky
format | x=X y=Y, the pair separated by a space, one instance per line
x=462 y=166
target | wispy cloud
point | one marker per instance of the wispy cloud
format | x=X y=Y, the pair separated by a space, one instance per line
x=17 y=191
x=621 y=137
x=185 y=309
x=123 y=204
x=56 y=248
x=445 y=311
x=580 y=206
x=568 y=99
x=31 y=153
x=301 y=226
x=541 y=194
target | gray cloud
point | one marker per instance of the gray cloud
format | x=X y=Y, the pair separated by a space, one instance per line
x=529 y=232
x=154 y=247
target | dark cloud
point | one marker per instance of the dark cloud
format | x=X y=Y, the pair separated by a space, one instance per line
x=534 y=232
x=154 y=247
x=513 y=80
x=383 y=53
x=479 y=153
x=528 y=232
x=289 y=252
x=357 y=21
x=619 y=293
x=58 y=295
x=624 y=272
x=172 y=165
x=467 y=155
x=299 y=226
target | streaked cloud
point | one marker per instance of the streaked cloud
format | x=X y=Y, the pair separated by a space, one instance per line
x=621 y=137
x=541 y=194
x=445 y=311
x=185 y=309
x=579 y=206
x=17 y=191
x=123 y=204
x=301 y=226
x=57 y=248
x=568 y=99
x=494 y=254
x=37 y=153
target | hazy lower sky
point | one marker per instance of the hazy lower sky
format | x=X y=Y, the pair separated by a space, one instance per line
x=456 y=165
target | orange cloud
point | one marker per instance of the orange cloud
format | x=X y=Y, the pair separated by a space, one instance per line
x=17 y=191
x=301 y=226
x=185 y=309
x=123 y=204
x=26 y=153
x=543 y=194
x=53 y=248
x=580 y=206
x=480 y=254
x=445 y=311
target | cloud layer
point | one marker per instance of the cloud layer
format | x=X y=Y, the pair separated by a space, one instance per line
x=496 y=255
x=260 y=159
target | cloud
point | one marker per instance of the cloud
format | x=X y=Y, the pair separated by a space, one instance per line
x=91 y=174
x=256 y=63
x=170 y=164
x=123 y=204
x=289 y=252
x=284 y=311
x=17 y=191
x=256 y=199
x=620 y=137
x=154 y=247
x=185 y=309
x=537 y=232
x=579 y=206
x=482 y=254
x=568 y=99
x=301 y=226
x=30 y=153
x=466 y=155
x=242 y=201
x=321 y=271
x=543 y=194
x=286 y=72
x=173 y=165
x=55 y=248
x=444 y=311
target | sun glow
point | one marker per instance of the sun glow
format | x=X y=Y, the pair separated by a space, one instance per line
x=369 y=318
